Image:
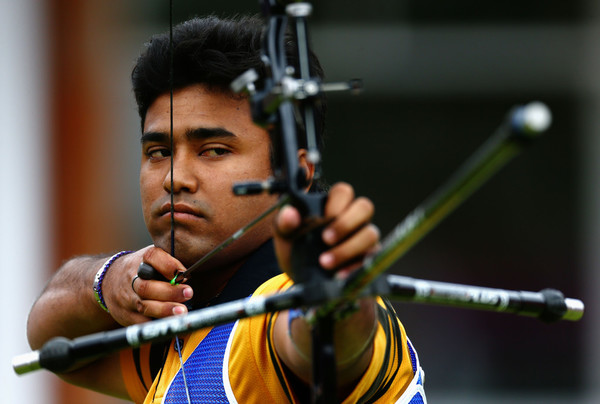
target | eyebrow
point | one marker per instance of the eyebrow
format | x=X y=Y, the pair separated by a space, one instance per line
x=208 y=133
x=190 y=134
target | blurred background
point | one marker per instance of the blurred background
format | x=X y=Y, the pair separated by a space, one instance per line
x=439 y=77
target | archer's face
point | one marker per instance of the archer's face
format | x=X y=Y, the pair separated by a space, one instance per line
x=216 y=144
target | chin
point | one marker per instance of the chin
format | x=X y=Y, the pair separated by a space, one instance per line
x=162 y=242
x=188 y=253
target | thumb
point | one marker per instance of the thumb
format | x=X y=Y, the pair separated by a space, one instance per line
x=287 y=221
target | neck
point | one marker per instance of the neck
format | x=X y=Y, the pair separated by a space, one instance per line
x=209 y=284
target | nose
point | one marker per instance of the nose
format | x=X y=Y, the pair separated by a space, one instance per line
x=181 y=178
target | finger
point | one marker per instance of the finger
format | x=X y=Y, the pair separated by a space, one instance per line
x=356 y=215
x=162 y=262
x=339 y=198
x=155 y=309
x=162 y=291
x=349 y=267
x=126 y=313
x=355 y=247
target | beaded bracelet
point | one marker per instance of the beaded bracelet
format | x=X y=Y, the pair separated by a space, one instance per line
x=97 y=286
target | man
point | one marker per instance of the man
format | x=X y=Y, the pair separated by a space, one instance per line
x=216 y=144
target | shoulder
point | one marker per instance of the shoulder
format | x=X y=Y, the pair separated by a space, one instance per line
x=253 y=369
x=274 y=284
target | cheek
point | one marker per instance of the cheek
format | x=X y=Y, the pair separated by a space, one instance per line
x=258 y=167
x=148 y=191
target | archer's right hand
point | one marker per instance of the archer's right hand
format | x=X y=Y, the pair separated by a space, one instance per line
x=132 y=301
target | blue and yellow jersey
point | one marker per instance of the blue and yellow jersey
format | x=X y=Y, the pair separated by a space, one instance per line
x=237 y=363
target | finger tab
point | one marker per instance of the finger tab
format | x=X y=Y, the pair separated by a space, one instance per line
x=147 y=272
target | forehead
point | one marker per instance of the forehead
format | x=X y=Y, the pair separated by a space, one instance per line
x=197 y=107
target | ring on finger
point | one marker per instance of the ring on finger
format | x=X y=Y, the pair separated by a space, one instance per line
x=133 y=281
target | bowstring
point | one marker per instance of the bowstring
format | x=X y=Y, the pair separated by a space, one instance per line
x=178 y=343
x=171 y=83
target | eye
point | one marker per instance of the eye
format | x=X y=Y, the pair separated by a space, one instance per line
x=158 y=153
x=214 y=152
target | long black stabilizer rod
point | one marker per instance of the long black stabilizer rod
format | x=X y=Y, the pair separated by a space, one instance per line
x=60 y=354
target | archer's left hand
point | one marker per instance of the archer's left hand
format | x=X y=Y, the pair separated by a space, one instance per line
x=349 y=233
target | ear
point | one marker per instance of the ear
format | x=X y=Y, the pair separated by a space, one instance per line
x=309 y=168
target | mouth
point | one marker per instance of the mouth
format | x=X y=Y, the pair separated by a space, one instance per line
x=180 y=210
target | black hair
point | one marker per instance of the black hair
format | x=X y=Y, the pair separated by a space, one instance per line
x=211 y=51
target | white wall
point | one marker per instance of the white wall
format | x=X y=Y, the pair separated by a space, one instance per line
x=24 y=210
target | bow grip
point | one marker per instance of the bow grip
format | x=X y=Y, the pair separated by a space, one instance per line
x=308 y=245
x=305 y=257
